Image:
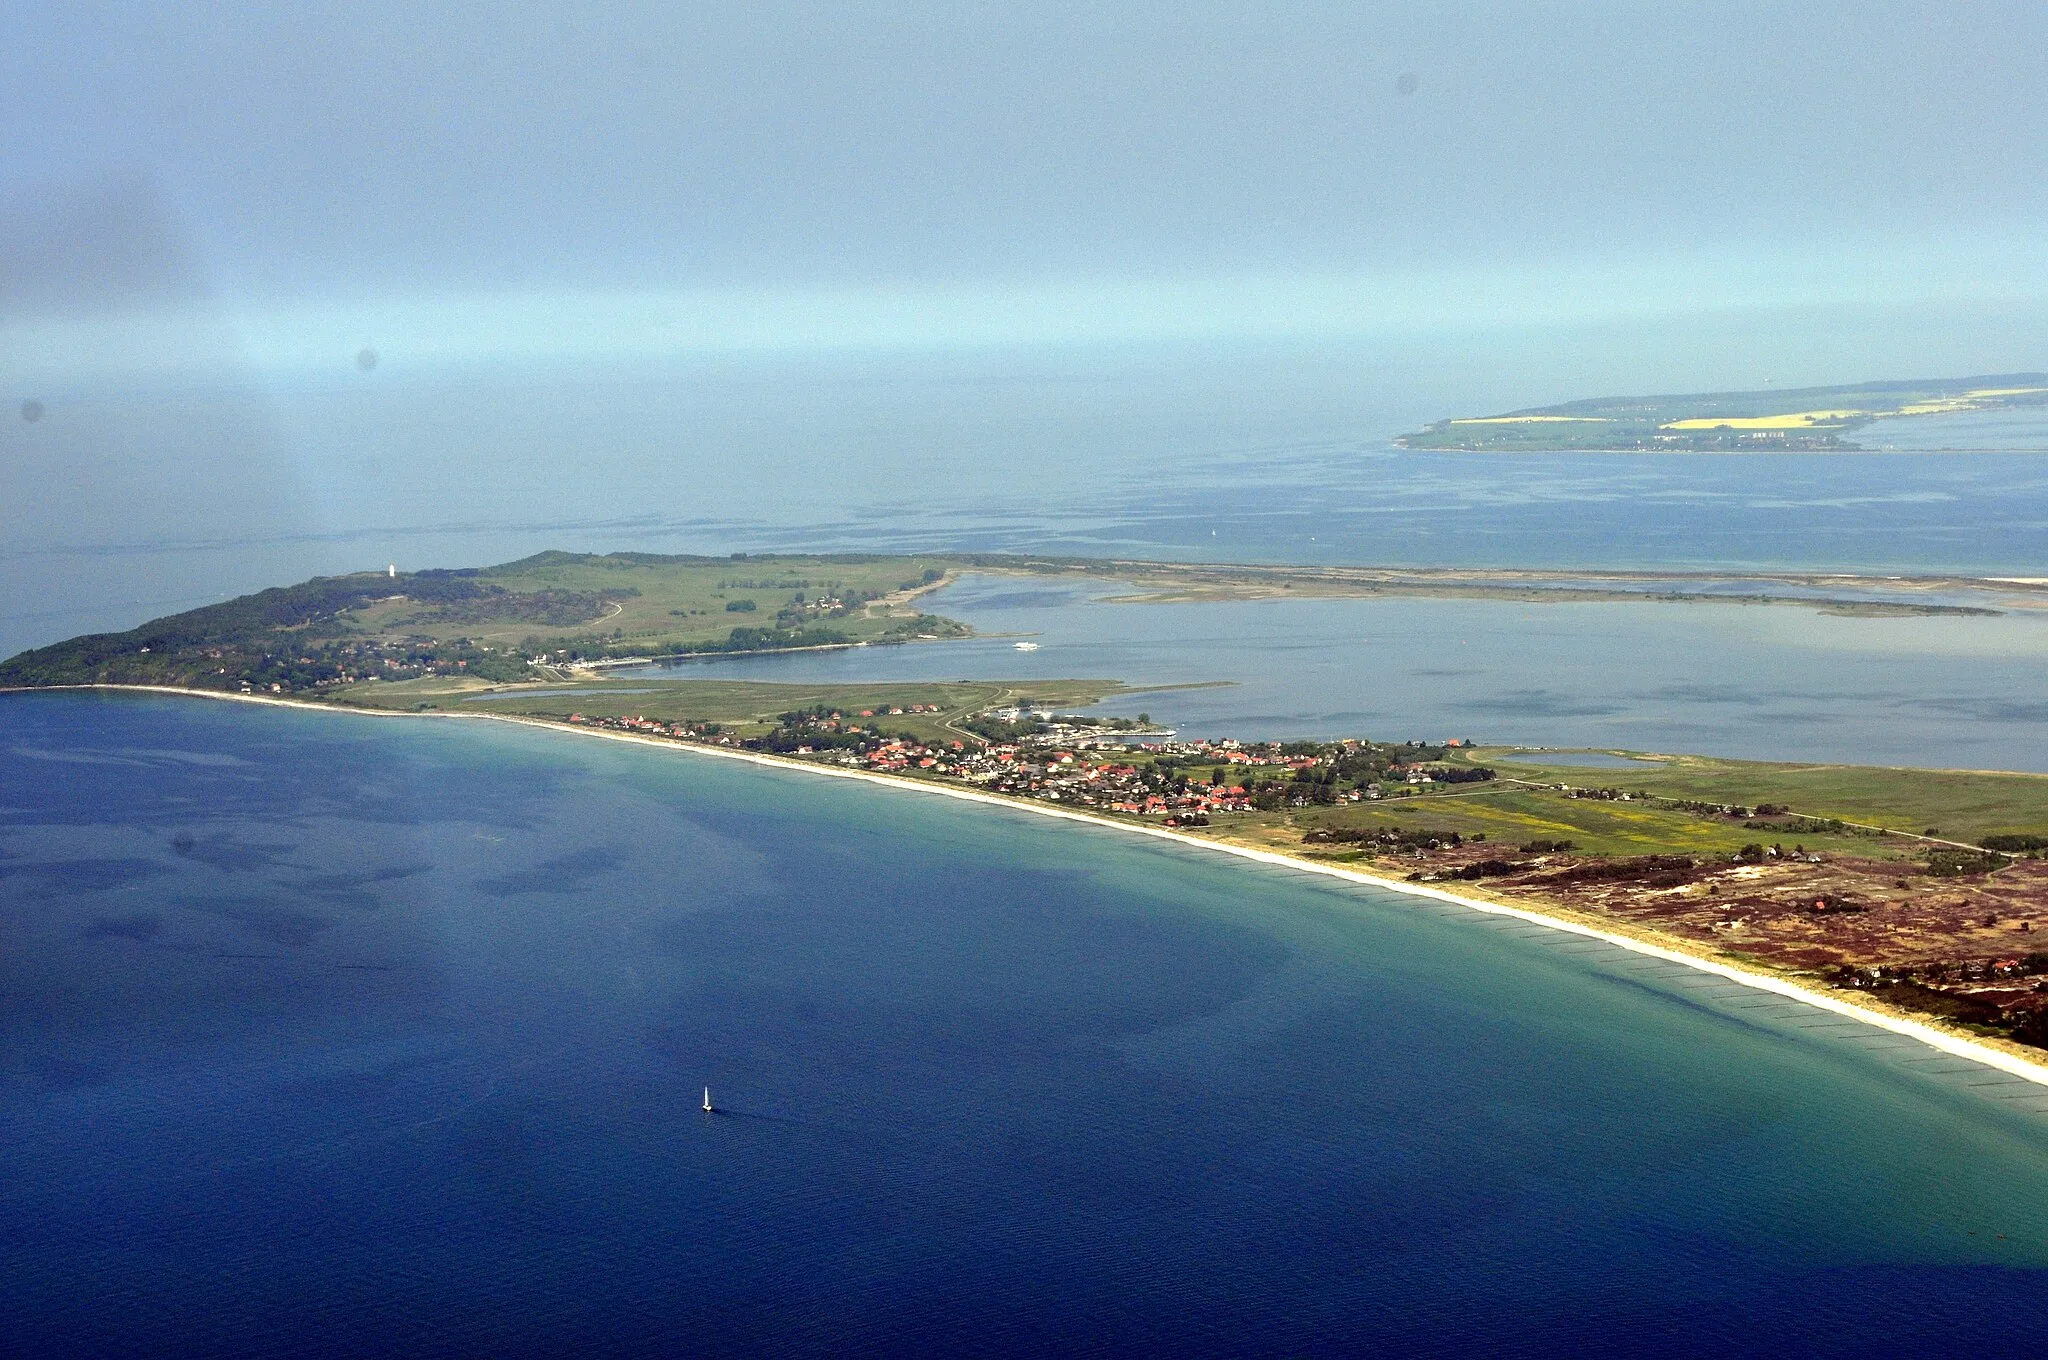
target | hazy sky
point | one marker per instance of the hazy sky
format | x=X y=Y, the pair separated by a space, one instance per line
x=671 y=260
x=459 y=177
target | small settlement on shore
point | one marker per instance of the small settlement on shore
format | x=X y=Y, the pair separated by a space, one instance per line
x=1923 y=924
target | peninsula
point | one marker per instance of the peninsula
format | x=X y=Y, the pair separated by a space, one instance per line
x=1807 y=419
x=1918 y=890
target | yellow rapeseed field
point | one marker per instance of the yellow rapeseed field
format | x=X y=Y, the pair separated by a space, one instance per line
x=1806 y=420
x=1794 y=420
x=1967 y=401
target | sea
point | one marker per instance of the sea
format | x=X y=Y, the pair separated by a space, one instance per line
x=330 y=1035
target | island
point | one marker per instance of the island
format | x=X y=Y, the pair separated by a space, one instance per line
x=1918 y=892
x=1805 y=420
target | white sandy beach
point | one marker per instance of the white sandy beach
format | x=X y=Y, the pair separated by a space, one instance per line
x=1956 y=1045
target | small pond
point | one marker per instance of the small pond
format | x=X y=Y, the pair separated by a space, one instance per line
x=1597 y=760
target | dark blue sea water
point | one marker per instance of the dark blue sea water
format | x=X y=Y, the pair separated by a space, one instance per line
x=324 y=1035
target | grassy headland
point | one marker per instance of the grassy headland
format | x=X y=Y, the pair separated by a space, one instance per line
x=519 y=621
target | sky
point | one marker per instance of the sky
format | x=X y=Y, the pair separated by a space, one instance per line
x=301 y=287
x=288 y=184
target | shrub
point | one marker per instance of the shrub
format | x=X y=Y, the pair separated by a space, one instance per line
x=2015 y=845
x=1956 y=863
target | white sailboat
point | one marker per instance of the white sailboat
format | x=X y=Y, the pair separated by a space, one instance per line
x=707 y=1101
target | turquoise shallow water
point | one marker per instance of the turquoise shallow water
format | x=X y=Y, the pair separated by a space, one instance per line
x=332 y=1036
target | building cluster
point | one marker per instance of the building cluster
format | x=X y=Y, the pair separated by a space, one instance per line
x=1057 y=775
x=1096 y=767
x=803 y=610
x=328 y=663
x=649 y=727
x=1079 y=762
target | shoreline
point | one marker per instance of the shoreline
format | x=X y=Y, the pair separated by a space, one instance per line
x=1383 y=573
x=1969 y=1048
x=1883 y=595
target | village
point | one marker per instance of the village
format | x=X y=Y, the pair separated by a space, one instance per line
x=1111 y=765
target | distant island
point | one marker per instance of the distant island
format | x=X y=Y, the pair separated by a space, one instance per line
x=1806 y=419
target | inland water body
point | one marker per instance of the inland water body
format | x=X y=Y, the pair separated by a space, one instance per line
x=325 y=1035
x=1755 y=682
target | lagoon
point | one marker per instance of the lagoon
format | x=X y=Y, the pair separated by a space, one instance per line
x=1776 y=682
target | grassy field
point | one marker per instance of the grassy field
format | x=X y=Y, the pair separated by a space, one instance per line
x=1957 y=804
x=667 y=604
x=1514 y=816
x=662 y=605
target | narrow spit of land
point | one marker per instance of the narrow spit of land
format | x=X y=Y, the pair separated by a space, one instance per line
x=1827 y=593
x=1867 y=919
